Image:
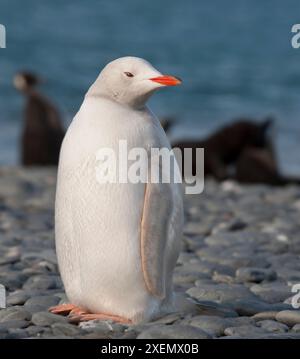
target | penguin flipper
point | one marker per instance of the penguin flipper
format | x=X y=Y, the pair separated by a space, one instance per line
x=158 y=204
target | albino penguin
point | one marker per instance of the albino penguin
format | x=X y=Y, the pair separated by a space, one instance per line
x=117 y=243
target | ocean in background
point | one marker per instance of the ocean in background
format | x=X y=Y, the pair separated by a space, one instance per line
x=235 y=58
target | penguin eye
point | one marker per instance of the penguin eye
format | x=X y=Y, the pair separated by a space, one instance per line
x=128 y=74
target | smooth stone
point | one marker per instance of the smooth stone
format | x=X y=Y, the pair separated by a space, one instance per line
x=212 y=325
x=273 y=326
x=256 y=275
x=96 y=326
x=222 y=278
x=244 y=331
x=11 y=255
x=216 y=325
x=35 y=308
x=13 y=280
x=180 y=278
x=62 y=297
x=3 y=330
x=272 y=292
x=265 y=316
x=92 y=336
x=14 y=313
x=47 y=255
x=265 y=335
x=289 y=317
x=17 y=334
x=65 y=329
x=11 y=324
x=239 y=321
x=169 y=319
x=289 y=274
x=173 y=332
x=44 y=301
x=196 y=228
x=253 y=306
x=129 y=335
x=220 y=293
x=44 y=319
x=296 y=328
x=18 y=298
x=205 y=307
x=35 y=330
x=40 y=282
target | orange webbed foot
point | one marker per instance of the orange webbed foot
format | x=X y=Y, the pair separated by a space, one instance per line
x=77 y=314
x=84 y=317
x=64 y=309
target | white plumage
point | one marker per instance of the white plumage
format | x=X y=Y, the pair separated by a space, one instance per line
x=117 y=243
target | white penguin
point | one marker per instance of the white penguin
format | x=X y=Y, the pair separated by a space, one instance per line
x=117 y=243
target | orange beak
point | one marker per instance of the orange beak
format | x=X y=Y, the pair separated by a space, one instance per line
x=167 y=80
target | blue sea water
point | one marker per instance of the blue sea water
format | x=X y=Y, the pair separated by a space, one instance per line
x=234 y=56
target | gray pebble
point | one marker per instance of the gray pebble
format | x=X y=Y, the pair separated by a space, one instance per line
x=45 y=319
x=169 y=319
x=296 y=328
x=35 y=330
x=17 y=334
x=65 y=329
x=289 y=317
x=249 y=307
x=256 y=275
x=273 y=326
x=129 y=335
x=14 y=313
x=244 y=331
x=205 y=307
x=40 y=282
x=14 y=324
x=93 y=336
x=265 y=335
x=173 y=332
x=272 y=292
x=44 y=301
x=35 y=308
x=220 y=293
x=265 y=316
x=9 y=255
x=96 y=326
x=17 y=298
x=212 y=325
x=13 y=280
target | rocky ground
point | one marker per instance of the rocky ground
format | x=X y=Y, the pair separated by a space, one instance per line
x=240 y=260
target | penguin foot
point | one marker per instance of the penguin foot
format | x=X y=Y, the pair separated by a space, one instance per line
x=63 y=309
x=84 y=317
x=77 y=314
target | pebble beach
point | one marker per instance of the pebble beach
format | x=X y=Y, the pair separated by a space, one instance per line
x=240 y=263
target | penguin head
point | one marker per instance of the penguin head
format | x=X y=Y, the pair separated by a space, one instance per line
x=24 y=81
x=130 y=81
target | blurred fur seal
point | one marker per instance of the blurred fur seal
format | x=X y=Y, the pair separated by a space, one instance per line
x=224 y=147
x=42 y=132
